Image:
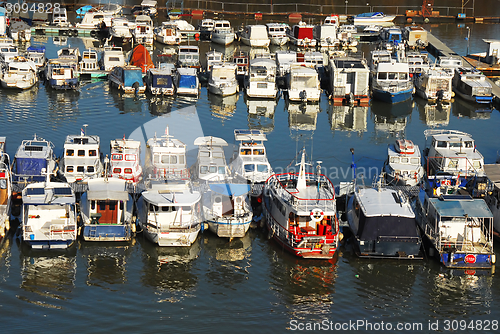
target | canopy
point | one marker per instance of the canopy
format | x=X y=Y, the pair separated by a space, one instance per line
x=230 y=189
x=131 y=76
x=455 y=207
x=107 y=189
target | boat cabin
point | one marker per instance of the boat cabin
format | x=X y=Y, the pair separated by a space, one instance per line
x=211 y=162
x=166 y=158
x=250 y=161
x=112 y=56
x=349 y=80
x=188 y=56
x=82 y=157
x=125 y=162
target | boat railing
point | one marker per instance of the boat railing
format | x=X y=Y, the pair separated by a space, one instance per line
x=467 y=170
x=464 y=244
x=433 y=132
x=60 y=231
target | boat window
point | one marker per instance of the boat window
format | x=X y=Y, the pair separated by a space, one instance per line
x=116 y=157
x=81 y=153
x=394 y=160
x=213 y=169
x=453 y=163
x=441 y=144
x=477 y=164
x=173 y=159
x=70 y=153
x=121 y=205
x=261 y=85
x=246 y=151
x=63 y=191
x=102 y=206
x=181 y=159
x=186 y=208
x=3 y=184
x=153 y=208
x=90 y=169
x=258 y=151
x=203 y=169
x=92 y=205
x=262 y=168
x=249 y=167
x=382 y=76
x=217 y=199
x=455 y=144
x=156 y=158
x=128 y=170
x=92 y=153
x=403 y=76
x=117 y=170
x=112 y=206
x=80 y=169
x=393 y=76
x=130 y=157
x=468 y=144
x=113 y=59
x=404 y=160
x=414 y=160
x=222 y=170
x=69 y=169
x=165 y=209
x=165 y=159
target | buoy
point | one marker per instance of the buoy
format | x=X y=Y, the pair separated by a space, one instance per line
x=409 y=20
x=426 y=20
x=197 y=36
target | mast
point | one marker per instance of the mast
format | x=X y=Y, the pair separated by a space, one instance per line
x=301 y=181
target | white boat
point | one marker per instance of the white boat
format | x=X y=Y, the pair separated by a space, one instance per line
x=349 y=79
x=223 y=33
x=372 y=17
x=60 y=19
x=418 y=63
x=168 y=33
x=435 y=84
x=332 y=19
x=20 y=31
x=472 y=86
x=241 y=60
x=222 y=80
x=212 y=57
x=147 y=7
x=416 y=37
x=62 y=74
x=206 y=27
x=69 y=53
x=5 y=189
x=250 y=161
x=127 y=79
x=301 y=35
x=81 y=158
x=143 y=30
x=284 y=60
x=125 y=162
x=303 y=84
x=186 y=81
x=261 y=79
x=170 y=213
x=301 y=213
x=20 y=74
x=210 y=164
x=254 y=35
x=120 y=31
x=346 y=36
x=8 y=52
x=379 y=56
x=403 y=165
x=277 y=33
x=160 y=81
x=188 y=56
x=37 y=56
x=89 y=66
x=106 y=211
x=112 y=56
x=49 y=216
x=372 y=29
x=92 y=19
x=391 y=37
x=326 y=35
x=391 y=82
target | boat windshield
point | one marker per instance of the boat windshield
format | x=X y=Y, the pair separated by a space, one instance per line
x=304 y=82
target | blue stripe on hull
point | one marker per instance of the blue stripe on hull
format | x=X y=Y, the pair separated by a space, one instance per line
x=107 y=232
x=389 y=97
x=50 y=244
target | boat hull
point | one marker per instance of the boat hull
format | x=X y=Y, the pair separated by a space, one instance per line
x=68 y=84
x=107 y=232
x=226 y=90
x=184 y=238
x=398 y=248
x=280 y=41
x=230 y=227
x=50 y=244
x=392 y=97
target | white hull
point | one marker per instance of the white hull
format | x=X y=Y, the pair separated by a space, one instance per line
x=278 y=40
x=310 y=95
x=255 y=42
x=223 y=39
x=18 y=84
x=173 y=239
x=187 y=91
x=169 y=40
x=223 y=91
x=230 y=227
x=366 y=21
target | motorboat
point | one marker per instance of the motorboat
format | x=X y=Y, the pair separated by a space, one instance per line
x=332 y=20
x=472 y=86
x=418 y=62
x=403 y=165
x=106 y=211
x=241 y=60
x=222 y=80
x=81 y=158
x=212 y=57
x=112 y=56
x=8 y=51
x=434 y=84
x=301 y=212
x=284 y=60
x=392 y=83
x=277 y=33
x=127 y=79
x=303 y=84
x=37 y=56
x=69 y=53
x=346 y=36
x=89 y=67
x=415 y=37
x=160 y=81
x=301 y=35
x=326 y=35
x=120 y=31
x=391 y=37
x=261 y=79
x=188 y=56
x=254 y=35
x=20 y=73
x=379 y=56
x=223 y=33
x=143 y=30
x=147 y=7
x=206 y=27
x=349 y=79
x=93 y=19
x=20 y=31
x=373 y=29
x=168 y=33
x=187 y=82
x=125 y=160
x=210 y=164
x=372 y=17
x=5 y=189
x=250 y=161
x=49 y=215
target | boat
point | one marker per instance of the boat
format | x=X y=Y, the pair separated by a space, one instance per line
x=140 y=57
x=120 y=31
x=69 y=53
x=160 y=81
x=303 y=84
x=81 y=158
x=222 y=80
x=213 y=57
x=106 y=211
x=349 y=79
x=391 y=37
x=20 y=31
x=277 y=33
x=382 y=223
x=210 y=164
x=435 y=84
x=147 y=7
x=472 y=86
x=61 y=74
x=186 y=81
x=143 y=30
x=326 y=35
x=332 y=19
x=301 y=213
x=284 y=60
x=60 y=19
x=37 y=56
x=418 y=63
x=392 y=83
x=458 y=230
x=168 y=33
x=301 y=35
x=241 y=60
x=254 y=35
x=188 y=56
x=127 y=79
x=316 y=60
x=223 y=33
x=93 y=19
x=33 y=157
x=186 y=29
x=49 y=216
x=5 y=189
x=89 y=67
x=20 y=73
x=372 y=18
x=250 y=161
x=415 y=37
x=125 y=160
x=346 y=36
x=373 y=29
x=112 y=56
x=403 y=165
x=261 y=79
x=170 y=213
x=8 y=51
x=206 y=27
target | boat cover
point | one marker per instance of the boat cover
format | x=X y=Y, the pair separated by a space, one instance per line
x=140 y=57
x=230 y=189
x=39 y=49
x=187 y=81
x=460 y=208
x=30 y=166
x=371 y=228
x=162 y=80
x=107 y=189
x=131 y=77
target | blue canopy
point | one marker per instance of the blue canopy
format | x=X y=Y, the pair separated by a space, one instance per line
x=30 y=166
x=131 y=77
x=84 y=9
x=187 y=81
x=230 y=189
x=40 y=49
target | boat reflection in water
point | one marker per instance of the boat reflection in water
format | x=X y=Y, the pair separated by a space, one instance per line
x=390 y=119
x=127 y=103
x=223 y=107
x=348 y=118
x=302 y=116
x=433 y=114
x=160 y=105
x=463 y=108
x=227 y=51
x=261 y=114
x=62 y=103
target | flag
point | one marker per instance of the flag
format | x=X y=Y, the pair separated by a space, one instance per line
x=82 y=133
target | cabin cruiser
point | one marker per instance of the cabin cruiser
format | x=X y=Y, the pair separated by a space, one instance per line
x=89 y=67
x=435 y=84
x=188 y=56
x=392 y=83
x=372 y=17
x=61 y=74
x=326 y=35
x=472 y=86
x=284 y=61
x=20 y=73
x=37 y=56
x=127 y=79
x=160 y=81
x=206 y=27
x=120 y=31
x=143 y=30
x=301 y=35
x=5 y=189
x=223 y=33
x=33 y=158
x=241 y=60
x=277 y=33
x=349 y=78
x=81 y=157
x=168 y=33
x=222 y=80
x=403 y=165
x=301 y=213
x=112 y=56
x=212 y=57
x=187 y=82
x=125 y=162
x=93 y=19
x=418 y=63
x=415 y=37
x=303 y=84
x=106 y=211
x=211 y=164
x=20 y=31
x=261 y=80
x=254 y=35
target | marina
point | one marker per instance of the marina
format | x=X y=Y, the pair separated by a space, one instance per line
x=131 y=277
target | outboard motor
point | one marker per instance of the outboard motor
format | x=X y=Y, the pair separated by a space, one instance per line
x=439 y=95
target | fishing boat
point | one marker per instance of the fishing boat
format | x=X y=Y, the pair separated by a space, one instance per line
x=112 y=56
x=261 y=79
x=458 y=230
x=222 y=80
x=392 y=83
x=120 y=31
x=160 y=81
x=303 y=84
x=472 y=86
x=168 y=33
x=106 y=211
x=301 y=35
x=372 y=18
x=127 y=79
x=349 y=79
x=241 y=60
x=20 y=31
x=5 y=189
x=37 y=56
x=49 y=215
x=170 y=213
x=435 y=84
x=61 y=74
x=19 y=74
x=186 y=81
x=143 y=30
x=210 y=164
x=301 y=214
x=382 y=223
x=140 y=57
x=277 y=33
x=254 y=35
x=188 y=56
x=250 y=161
x=89 y=67
x=125 y=162
x=81 y=158
x=403 y=165
x=415 y=37
x=223 y=33
x=32 y=158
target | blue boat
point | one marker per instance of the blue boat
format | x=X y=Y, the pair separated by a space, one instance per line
x=391 y=82
x=32 y=160
x=458 y=230
x=61 y=74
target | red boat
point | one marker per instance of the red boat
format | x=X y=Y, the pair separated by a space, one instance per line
x=140 y=57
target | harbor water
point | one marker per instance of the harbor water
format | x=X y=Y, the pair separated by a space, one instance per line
x=248 y=284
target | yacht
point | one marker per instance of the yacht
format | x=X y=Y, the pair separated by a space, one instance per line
x=20 y=31
x=125 y=162
x=223 y=33
x=303 y=84
x=241 y=60
x=212 y=57
x=92 y=19
x=120 y=31
x=33 y=158
x=392 y=83
x=277 y=33
x=261 y=80
x=403 y=165
x=168 y=33
x=206 y=27
x=254 y=35
x=127 y=79
x=19 y=74
x=373 y=17
x=211 y=164
x=222 y=80
x=301 y=35
x=160 y=81
x=326 y=35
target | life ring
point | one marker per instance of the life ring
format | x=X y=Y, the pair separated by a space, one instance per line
x=317 y=215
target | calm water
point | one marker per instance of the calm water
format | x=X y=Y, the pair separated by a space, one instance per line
x=250 y=284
